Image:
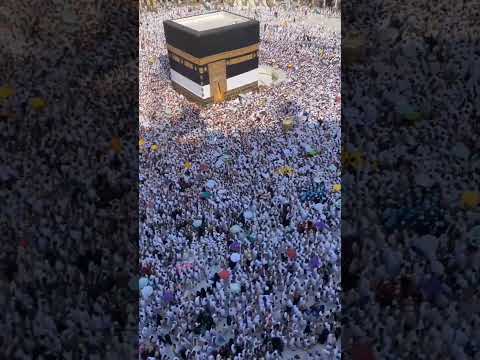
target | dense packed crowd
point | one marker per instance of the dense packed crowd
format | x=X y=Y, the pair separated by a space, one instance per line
x=411 y=157
x=239 y=218
x=64 y=258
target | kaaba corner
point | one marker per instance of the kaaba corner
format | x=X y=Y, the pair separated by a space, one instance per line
x=213 y=56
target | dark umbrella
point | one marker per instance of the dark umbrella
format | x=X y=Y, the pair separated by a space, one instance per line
x=277 y=344
x=168 y=297
x=315 y=262
x=235 y=246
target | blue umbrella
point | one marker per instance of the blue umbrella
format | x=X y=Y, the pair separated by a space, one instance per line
x=221 y=340
x=147 y=291
x=142 y=282
x=320 y=225
x=235 y=246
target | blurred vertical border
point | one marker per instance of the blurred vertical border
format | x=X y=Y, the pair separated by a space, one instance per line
x=69 y=179
x=409 y=95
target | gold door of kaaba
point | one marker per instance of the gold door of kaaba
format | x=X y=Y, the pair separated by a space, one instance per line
x=217 y=72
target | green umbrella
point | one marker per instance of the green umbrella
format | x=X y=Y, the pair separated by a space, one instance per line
x=227 y=159
x=235 y=229
x=205 y=195
x=413 y=116
x=475 y=236
x=312 y=153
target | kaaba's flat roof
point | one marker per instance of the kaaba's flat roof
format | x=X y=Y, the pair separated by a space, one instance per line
x=212 y=33
x=211 y=21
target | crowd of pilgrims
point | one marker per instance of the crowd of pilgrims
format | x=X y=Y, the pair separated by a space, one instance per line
x=61 y=286
x=239 y=217
x=410 y=254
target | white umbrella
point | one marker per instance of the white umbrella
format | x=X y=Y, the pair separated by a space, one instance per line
x=235 y=229
x=307 y=148
x=235 y=287
x=211 y=184
x=213 y=270
x=197 y=223
x=147 y=291
x=300 y=117
x=247 y=214
x=142 y=282
x=219 y=163
x=235 y=257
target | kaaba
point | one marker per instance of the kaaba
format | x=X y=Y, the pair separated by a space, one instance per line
x=213 y=56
